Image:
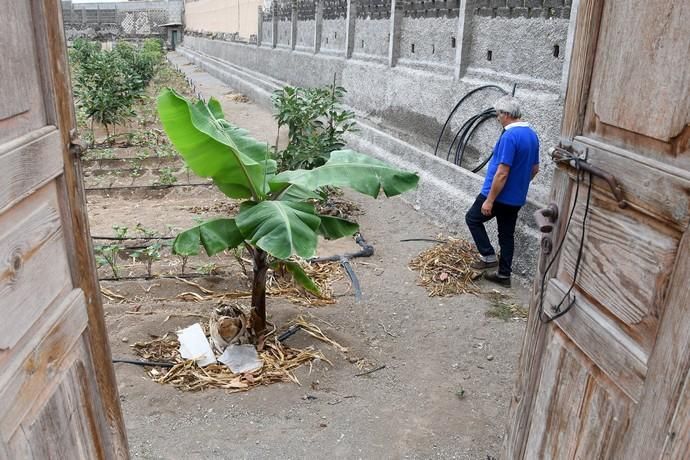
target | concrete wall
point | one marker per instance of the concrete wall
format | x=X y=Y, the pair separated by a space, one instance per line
x=234 y=17
x=108 y=21
x=333 y=35
x=402 y=98
x=305 y=34
x=371 y=39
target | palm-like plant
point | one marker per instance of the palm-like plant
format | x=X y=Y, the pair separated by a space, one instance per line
x=276 y=221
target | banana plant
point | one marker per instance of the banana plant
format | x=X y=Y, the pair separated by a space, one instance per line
x=276 y=220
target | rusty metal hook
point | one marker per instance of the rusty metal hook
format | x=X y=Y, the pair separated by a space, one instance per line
x=564 y=155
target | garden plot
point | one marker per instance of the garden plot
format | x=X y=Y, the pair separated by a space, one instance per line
x=442 y=370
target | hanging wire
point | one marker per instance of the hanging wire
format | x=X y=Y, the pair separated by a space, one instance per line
x=543 y=317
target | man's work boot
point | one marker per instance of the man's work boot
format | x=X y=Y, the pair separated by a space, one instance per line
x=494 y=277
x=480 y=265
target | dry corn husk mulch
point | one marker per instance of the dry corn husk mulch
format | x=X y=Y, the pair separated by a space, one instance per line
x=444 y=269
x=279 y=362
x=281 y=284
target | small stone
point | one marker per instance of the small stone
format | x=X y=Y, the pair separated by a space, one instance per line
x=125 y=339
x=490 y=358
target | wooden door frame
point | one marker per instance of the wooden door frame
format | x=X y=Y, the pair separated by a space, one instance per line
x=656 y=420
x=582 y=54
x=52 y=50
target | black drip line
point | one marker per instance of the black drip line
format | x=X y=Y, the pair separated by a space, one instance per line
x=543 y=317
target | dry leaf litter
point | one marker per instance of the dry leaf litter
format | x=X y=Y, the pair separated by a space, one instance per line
x=281 y=284
x=278 y=359
x=444 y=269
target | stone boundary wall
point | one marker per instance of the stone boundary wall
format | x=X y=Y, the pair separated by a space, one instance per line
x=110 y=21
x=417 y=61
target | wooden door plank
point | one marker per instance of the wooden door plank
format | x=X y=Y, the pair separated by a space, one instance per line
x=521 y=404
x=39 y=369
x=21 y=110
x=628 y=73
x=28 y=163
x=601 y=339
x=31 y=248
x=678 y=440
x=61 y=429
x=76 y=225
x=626 y=263
x=660 y=191
x=581 y=64
x=578 y=412
x=668 y=367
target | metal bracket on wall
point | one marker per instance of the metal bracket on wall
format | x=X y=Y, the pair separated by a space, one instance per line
x=568 y=155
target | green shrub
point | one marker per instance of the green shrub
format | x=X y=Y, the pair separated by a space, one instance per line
x=108 y=83
x=316 y=122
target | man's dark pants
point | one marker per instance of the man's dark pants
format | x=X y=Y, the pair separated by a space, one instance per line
x=506 y=217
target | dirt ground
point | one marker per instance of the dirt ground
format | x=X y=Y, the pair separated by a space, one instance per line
x=449 y=368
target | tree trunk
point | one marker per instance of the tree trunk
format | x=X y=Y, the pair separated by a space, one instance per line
x=259 y=292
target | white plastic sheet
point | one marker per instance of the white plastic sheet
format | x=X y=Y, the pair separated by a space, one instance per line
x=194 y=345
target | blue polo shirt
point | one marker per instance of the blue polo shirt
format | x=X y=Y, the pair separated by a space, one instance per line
x=518 y=147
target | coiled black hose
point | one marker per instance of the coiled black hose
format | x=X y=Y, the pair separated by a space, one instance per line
x=457 y=106
x=462 y=138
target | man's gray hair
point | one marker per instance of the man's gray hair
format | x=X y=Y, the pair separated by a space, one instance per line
x=509 y=105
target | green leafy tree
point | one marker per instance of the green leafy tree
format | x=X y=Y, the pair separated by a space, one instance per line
x=276 y=222
x=316 y=122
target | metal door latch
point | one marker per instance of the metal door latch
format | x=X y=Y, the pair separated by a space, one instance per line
x=546 y=217
x=566 y=154
x=75 y=146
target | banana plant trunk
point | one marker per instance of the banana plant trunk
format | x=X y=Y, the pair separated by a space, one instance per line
x=259 y=292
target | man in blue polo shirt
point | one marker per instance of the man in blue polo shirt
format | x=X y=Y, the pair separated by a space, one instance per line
x=514 y=164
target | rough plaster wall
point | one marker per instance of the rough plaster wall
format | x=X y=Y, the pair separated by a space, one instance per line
x=431 y=38
x=412 y=103
x=284 y=32
x=279 y=63
x=519 y=46
x=267 y=33
x=305 y=34
x=333 y=35
x=371 y=38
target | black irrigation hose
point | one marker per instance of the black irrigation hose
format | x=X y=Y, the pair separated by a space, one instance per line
x=475 y=122
x=148 y=187
x=132 y=238
x=457 y=106
x=156 y=277
x=367 y=251
x=289 y=332
x=543 y=317
x=345 y=262
x=462 y=138
x=462 y=133
x=143 y=363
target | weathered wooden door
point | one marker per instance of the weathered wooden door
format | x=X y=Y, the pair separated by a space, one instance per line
x=58 y=397
x=609 y=378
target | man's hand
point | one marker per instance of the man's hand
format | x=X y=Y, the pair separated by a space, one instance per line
x=487 y=207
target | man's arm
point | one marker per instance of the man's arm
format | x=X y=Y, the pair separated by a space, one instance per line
x=497 y=185
x=535 y=171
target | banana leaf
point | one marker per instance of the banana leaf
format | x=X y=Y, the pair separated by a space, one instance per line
x=239 y=165
x=214 y=235
x=347 y=168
